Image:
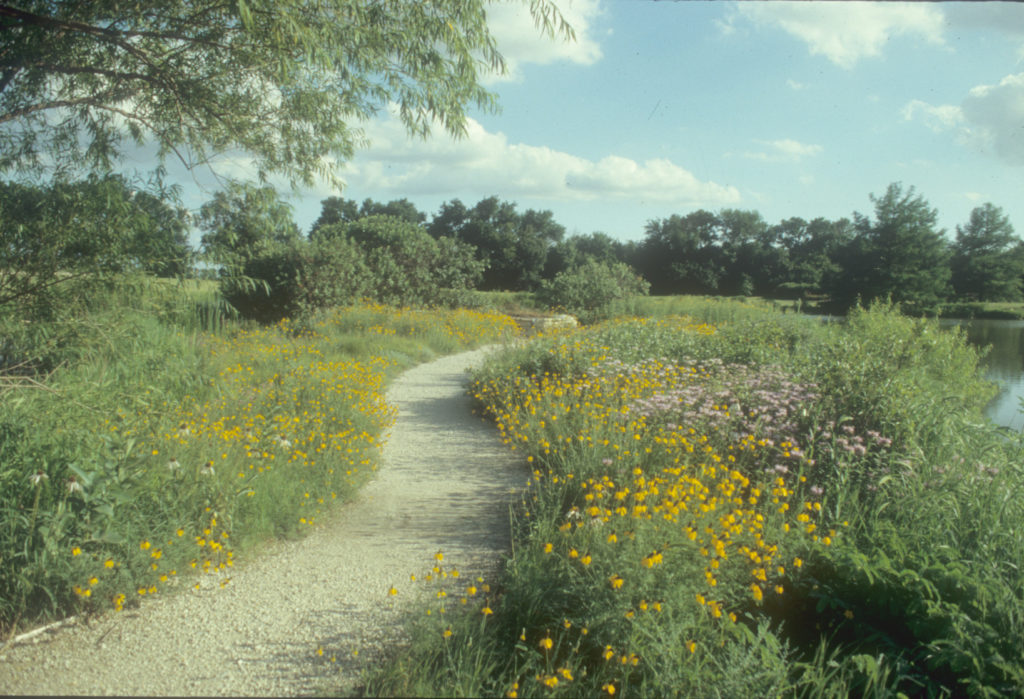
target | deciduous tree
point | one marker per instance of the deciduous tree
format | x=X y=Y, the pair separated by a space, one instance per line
x=284 y=81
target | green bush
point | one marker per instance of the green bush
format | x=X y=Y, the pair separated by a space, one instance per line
x=267 y=288
x=589 y=290
x=406 y=266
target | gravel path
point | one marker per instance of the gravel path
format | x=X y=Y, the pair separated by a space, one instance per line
x=444 y=483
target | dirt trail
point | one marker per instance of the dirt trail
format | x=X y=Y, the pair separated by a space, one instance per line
x=444 y=483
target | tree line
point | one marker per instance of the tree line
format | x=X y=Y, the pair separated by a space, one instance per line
x=396 y=253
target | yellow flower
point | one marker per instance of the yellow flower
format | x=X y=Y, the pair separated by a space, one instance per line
x=392 y=591
x=616 y=582
x=447 y=632
x=486 y=611
x=76 y=551
x=691 y=646
x=546 y=643
x=109 y=563
x=548 y=547
x=144 y=546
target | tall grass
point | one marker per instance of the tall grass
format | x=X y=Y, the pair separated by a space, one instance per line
x=759 y=505
x=155 y=436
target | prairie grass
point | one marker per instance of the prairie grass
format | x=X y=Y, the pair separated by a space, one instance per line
x=156 y=436
x=743 y=503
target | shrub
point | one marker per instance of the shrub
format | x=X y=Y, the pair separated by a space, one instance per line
x=267 y=288
x=405 y=265
x=589 y=290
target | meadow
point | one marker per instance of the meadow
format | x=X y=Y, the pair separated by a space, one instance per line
x=732 y=501
x=150 y=440
x=726 y=499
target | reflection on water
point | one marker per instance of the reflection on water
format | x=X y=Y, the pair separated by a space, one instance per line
x=1005 y=365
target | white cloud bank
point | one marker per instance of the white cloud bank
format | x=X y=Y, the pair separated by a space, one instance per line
x=990 y=118
x=520 y=41
x=485 y=163
x=845 y=32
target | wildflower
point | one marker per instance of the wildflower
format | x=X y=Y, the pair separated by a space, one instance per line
x=173 y=465
x=76 y=551
x=487 y=611
x=548 y=547
x=38 y=477
x=609 y=687
x=109 y=563
x=207 y=469
x=566 y=673
x=73 y=485
x=546 y=643
x=392 y=592
x=691 y=646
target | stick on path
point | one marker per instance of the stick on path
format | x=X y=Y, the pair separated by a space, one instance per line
x=444 y=484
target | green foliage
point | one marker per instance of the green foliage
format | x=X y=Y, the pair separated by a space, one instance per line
x=282 y=81
x=988 y=259
x=240 y=221
x=407 y=266
x=514 y=246
x=83 y=232
x=888 y=372
x=340 y=210
x=590 y=290
x=899 y=255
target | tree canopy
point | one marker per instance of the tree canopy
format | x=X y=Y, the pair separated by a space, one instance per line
x=900 y=254
x=988 y=257
x=284 y=81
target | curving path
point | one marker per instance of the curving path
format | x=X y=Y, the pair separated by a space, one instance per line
x=444 y=483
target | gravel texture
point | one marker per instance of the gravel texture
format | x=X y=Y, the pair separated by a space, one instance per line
x=445 y=483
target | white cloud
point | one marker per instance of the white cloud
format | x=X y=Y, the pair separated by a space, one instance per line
x=794 y=85
x=940 y=118
x=486 y=163
x=990 y=118
x=520 y=41
x=784 y=149
x=845 y=32
x=996 y=115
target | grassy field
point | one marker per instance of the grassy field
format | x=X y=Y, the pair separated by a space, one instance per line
x=741 y=502
x=726 y=499
x=147 y=443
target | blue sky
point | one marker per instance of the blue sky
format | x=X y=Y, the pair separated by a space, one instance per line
x=791 y=109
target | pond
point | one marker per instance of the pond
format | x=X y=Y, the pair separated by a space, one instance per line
x=1004 y=364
